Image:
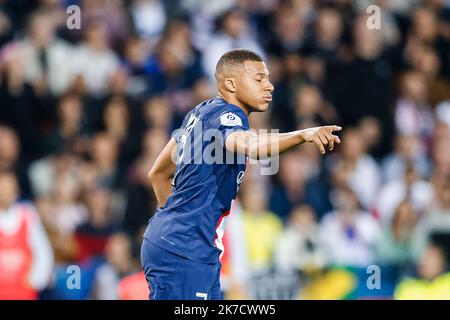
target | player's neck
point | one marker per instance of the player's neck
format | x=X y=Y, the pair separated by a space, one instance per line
x=234 y=101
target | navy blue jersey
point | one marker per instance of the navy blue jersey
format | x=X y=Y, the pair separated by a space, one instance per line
x=205 y=183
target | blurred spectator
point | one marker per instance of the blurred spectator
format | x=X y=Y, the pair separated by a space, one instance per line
x=233 y=33
x=10 y=148
x=175 y=69
x=427 y=62
x=408 y=152
x=119 y=264
x=18 y=107
x=141 y=200
x=116 y=122
x=440 y=154
x=26 y=259
x=424 y=26
x=68 y=135
x=92 y=236
x=371 y=94
x=413 y=114
x=43 y=173
x=202 y=90
x=327 y=35
x=261 y=228
x=149 y=18
x=46 y=57
x=62 y=214
x=411 y=188
x=291 y=188
x=432 y=281
x=438 y=215
x=235 y=272
x=203 y=16
x=105 y=152
x=54 y=8
x=442 y=11
x=311 y=109
x=401 y=242
x=370 y=130
x=402 y=8
x=443 y=113
x=67 y=213
x=425 y=31
x=111 y=15
x=94 y=64
x=353 y=163
x=157 y=113
x=299 y=248
x=5 y=27
x=10 y=161
x=348 y=234
x=137 y=66
x=288 y=34
x=134 y=287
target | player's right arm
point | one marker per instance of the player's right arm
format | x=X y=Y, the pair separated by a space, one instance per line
x=268 y=145
x=162 y=172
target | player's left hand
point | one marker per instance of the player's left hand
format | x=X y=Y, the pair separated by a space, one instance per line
x=322 y=137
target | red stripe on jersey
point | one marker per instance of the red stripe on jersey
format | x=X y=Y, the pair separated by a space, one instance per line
x=220 y=221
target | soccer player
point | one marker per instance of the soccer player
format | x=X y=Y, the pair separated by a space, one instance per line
x=182 y=244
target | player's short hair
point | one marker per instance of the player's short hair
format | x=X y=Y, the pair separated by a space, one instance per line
x=236 y=57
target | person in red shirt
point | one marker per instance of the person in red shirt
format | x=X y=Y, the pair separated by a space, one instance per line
x=134 y=287
x=26 y=258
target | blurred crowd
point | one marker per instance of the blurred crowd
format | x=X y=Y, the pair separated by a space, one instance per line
x=85 y=112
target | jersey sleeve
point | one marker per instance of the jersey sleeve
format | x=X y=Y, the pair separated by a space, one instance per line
x=228 y=121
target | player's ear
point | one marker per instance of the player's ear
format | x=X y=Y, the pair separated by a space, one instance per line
x=230 y=84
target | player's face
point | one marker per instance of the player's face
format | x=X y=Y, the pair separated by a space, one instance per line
x=253 y=87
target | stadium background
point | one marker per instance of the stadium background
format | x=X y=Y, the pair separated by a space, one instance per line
x=84 y=113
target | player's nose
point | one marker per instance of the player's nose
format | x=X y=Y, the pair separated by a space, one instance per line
x=270 y=87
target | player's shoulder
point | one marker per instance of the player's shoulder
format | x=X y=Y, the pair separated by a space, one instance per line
x=221 y=113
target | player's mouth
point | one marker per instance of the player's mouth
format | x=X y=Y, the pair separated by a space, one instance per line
x=268 y=98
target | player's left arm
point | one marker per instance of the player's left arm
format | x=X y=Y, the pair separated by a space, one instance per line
x=162 y=172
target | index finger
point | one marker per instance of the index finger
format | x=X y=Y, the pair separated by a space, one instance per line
x=334 y=128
